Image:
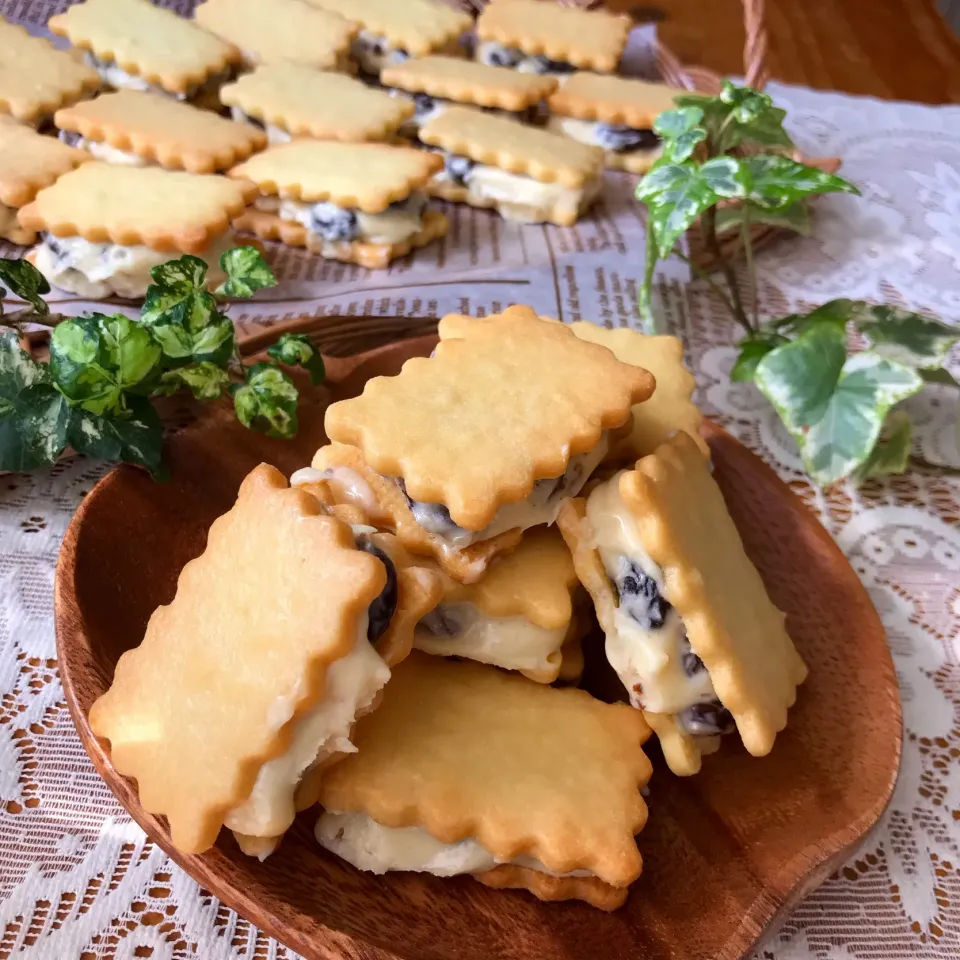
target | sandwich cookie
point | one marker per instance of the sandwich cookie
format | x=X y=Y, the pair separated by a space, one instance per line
x=465 y=450
x=254 y=674
x=36 y=78
x=28 y=163
x=359 y=203
x=432 y=83
x=137 y=45
x=615 y=113
x=393 y=30
x=105 y=226
x=689 y=627
x=526 y=174
x=290 y=100
x=536 y=36
x=137 y=128
x=465 y=769
x=271 y=31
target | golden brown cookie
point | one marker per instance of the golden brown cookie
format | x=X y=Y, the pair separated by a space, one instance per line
x=624 y=101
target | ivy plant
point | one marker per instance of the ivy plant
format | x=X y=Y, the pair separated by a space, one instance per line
x=726 y=164
x=94 y=392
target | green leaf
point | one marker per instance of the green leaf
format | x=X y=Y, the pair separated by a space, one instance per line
x=25 y=281
x=247 y=272
x=135 y=435
x=33 y=427
x=95 y=359
x=776 y=182
x=683 y=147
x=205 y=380
x=940 y=376
x=739 y=115
x=892 y=453
x=18 y=370
x=909 y=338
x=267 y=401
x=676 y=195
x=795 y=217
x=675 y=123
x=726 y=176
x=215 y=343
x=752 y=351
x=179 y=296
x=297 y=349
x=832 y=406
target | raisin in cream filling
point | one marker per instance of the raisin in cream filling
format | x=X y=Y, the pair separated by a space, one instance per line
x=328 y=223
x=351 y=685
x=541 y=507
x=648 y=645
x=515 y=643
x=115 y=76
x=515 y=196
x=274 y=133
x=367 y=845
x=100 y=270
x=613 y=137
x=496 y=54
x=372 y=53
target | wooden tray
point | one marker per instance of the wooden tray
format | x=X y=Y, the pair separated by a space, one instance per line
x=727 y=853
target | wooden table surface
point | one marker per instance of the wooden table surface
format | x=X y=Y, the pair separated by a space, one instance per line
x=895 y=49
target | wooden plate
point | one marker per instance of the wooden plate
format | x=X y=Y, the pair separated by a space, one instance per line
x=726 y=853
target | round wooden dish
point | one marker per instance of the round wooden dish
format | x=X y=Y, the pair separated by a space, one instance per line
x=727 y=853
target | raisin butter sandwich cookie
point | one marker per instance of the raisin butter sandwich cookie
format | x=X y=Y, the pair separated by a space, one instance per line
x=254 y=673
x=518 y=616
x=689 y=626
x=463 y=471
x=36 y=78
x=136 y=44
x=465 y=769
x=393 y=30
x=526 y=174
x=105 y=226
x=355 y=202
x=615 y=113
x=136 y=128
x=431 y=83
x=270 y=31
x=536 y=36
x=290 y=100
x=28 y=163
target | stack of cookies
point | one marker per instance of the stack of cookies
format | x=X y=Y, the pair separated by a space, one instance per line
x=393 y=636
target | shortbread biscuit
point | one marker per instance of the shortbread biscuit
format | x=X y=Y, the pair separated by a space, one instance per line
x=417 y=27
x=393 y=513
x=477 y=425
x=368 y=176
x=147 y=42
x=161 y=209
x=373 y=256
x=512 y=772
x=469 y=82
x=242 y=653
x=508 y=876
x=624 y=101
x=28 y=163
x=271 y=31
x=161 y=130
x=309 y=103
x=664 y=563
x=585 y=39
x=518 y=616
x=35 y=78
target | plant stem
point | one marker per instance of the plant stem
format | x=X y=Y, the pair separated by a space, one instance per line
x=29 y=315
x=703 y=275
x=708 y=223
x=747 y=242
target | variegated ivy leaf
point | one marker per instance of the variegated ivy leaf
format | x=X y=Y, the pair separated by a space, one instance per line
x=247 y=272
x=892 y=453
x=833 y=406
x=18 y=370
x=179 y=296
x=134 y=435
x=95 y=359
x=24 y=280
x=267 y=401
x=752 y=350
x=725 y=176
x=205 y=380
x=795 y=217
x=33 y=427
x=739 y=115
x=297 y=349
x=776 y=182
x=902 y=335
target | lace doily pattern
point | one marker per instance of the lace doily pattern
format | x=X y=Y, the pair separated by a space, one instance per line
x=79 y=880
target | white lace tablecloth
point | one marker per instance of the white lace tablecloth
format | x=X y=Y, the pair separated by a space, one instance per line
x=79 y=880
